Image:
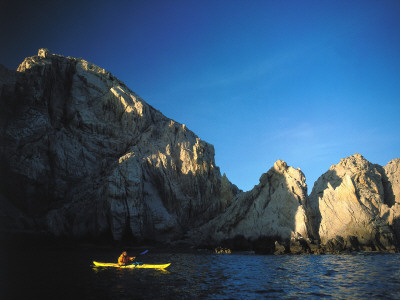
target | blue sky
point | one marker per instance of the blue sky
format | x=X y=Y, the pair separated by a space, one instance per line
x=308 y=82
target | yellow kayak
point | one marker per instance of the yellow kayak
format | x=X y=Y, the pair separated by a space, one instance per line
x=132 y=266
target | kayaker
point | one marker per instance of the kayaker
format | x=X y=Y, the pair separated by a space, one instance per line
x=124 y=259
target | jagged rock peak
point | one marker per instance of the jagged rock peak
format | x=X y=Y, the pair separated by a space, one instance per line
x=91 y=157
x=356 y=198
x=273 y=208
x=393 y=165
x=354 y=163
x=394 y=161
x=280 y=165
x=46 y=58
x=43 y=52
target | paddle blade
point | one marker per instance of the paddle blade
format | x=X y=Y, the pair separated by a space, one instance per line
x=144 y=252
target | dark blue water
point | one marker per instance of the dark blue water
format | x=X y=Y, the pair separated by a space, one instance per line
x=62 y=273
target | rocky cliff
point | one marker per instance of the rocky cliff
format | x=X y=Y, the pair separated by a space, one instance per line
x=82 y=155
x=273 y=208
x=355 y=205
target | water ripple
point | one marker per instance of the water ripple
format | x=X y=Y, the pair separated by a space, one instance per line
x=67 y=274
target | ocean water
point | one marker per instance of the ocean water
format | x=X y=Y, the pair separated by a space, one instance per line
x=68 y=273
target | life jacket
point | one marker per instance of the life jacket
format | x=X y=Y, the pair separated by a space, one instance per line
x=123 y=260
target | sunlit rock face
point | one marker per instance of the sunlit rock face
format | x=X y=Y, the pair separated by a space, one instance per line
x=273 y=208
x=83 y=155
x=391 y=182
x=356 y=201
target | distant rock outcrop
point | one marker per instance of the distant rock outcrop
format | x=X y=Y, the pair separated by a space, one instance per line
x=83 y=155
x=352 y=206
x=273 y=208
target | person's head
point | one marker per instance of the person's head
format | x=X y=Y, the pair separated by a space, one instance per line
x=124 y=253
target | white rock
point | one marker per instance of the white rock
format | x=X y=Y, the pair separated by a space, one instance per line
x=349 y=200
x=272 y=208
x=96 y=158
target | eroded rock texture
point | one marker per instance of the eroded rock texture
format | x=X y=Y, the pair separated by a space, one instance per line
x=354 y=205
x=83 y=155
x=273 y=208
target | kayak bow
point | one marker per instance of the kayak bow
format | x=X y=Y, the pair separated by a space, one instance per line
x=132 y=266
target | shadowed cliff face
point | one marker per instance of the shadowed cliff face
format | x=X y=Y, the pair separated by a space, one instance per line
x=83 y=155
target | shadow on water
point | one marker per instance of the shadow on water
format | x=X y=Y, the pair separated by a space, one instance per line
x=68 y=273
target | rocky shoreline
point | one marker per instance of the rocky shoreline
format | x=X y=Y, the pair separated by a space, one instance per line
x=11 y=241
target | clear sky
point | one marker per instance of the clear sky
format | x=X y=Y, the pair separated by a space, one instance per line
x=308 y=82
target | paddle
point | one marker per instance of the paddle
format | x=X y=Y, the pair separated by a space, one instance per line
x=137 y=263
